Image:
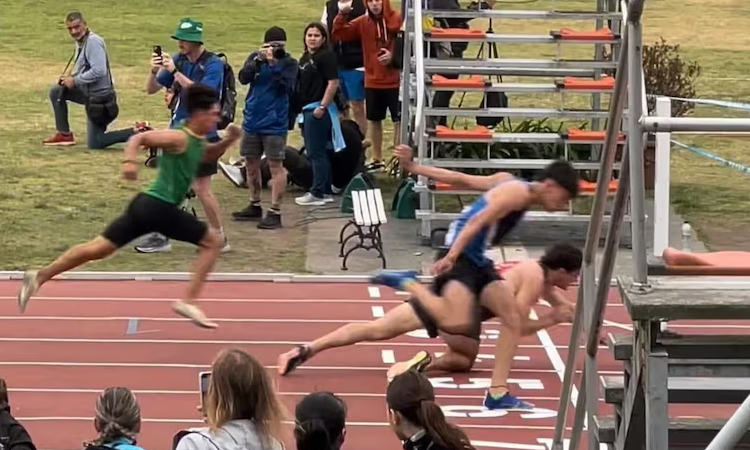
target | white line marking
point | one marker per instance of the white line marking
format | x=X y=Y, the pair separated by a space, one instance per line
x=207 y=300
x=374 y=291
x=193 y=392
x=231 y=342
x=177 y=319
x=389 y=357
x=348 y=424
x=205 y=366
x=621 y=326
x=378 y=311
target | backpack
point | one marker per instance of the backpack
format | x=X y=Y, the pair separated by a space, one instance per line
x=228 y=94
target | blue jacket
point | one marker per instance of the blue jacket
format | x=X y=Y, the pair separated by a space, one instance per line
x=267 y=101
x=209 y=72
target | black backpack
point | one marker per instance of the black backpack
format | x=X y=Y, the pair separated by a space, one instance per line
x=228 y=92
x=12 y=433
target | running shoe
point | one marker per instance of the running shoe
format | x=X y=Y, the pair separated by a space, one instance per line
x=28 y=288
x=417 y=362
x=506 y=402
x=292 y=359
x=193 y=313
x=395 y=279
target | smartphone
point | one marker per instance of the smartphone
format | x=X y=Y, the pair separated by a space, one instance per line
x=203 y=380
x=157 y=49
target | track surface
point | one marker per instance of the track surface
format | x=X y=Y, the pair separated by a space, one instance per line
x=79 y=337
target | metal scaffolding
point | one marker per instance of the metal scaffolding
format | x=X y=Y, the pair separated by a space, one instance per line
x=592 y=298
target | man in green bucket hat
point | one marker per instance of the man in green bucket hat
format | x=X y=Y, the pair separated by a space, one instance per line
x=190 y=64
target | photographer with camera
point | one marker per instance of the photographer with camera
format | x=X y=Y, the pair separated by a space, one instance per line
x=271 y=74
x=191 y=64
x=89 y=84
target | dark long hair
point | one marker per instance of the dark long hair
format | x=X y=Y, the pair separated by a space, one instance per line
x=323 y=32
x=320 y=422
x=411 y=394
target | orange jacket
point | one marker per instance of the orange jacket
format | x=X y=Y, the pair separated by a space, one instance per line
x=374 y=33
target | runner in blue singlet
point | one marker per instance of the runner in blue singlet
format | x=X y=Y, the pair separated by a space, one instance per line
x=465 y=279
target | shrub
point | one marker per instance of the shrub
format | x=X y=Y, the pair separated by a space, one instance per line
x=667 y=73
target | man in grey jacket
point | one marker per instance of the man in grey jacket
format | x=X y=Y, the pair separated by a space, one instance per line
x=89 y=80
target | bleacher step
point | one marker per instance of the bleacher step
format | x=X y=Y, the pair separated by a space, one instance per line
x=506 y=164
x=518 y=113
x=687 y=390
x=699 y=346
x=518 y=14
x=694 y=432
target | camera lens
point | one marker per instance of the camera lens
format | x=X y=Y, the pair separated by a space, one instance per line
x=279 y=53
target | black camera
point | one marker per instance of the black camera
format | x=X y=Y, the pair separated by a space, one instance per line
x=278 y=51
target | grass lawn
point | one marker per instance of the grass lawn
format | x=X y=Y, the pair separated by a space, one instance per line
x=56 y=197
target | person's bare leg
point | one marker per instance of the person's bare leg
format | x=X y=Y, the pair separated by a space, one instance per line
x=460 y=357
x=202 y=187
x=396 y=322
x=278 y=182
x=252 y=168
x=376 y=130
x=451 y=311
x=497 y=298
x=358 y=113
x=94 y=250
x=396 y=134
x=208 y=253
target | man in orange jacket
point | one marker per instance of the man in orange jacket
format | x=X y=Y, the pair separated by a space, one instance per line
x=377 y=31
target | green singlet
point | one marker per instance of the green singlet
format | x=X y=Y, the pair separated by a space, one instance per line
x=177 y=170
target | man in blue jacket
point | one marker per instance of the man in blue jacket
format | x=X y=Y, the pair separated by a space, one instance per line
x=271 y=74
x=191 y=64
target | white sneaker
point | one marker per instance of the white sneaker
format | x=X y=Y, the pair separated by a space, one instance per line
x=309 y=200
x=328 y=199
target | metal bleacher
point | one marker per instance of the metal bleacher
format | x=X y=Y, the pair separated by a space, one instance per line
x=424 y=76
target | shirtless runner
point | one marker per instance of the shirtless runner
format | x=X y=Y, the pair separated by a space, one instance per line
x=465 y=277
x=157 y=208
x=528 y=281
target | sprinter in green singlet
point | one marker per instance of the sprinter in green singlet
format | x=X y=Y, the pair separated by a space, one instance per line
x=157 y=209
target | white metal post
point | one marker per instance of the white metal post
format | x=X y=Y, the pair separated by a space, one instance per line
x=662 y=180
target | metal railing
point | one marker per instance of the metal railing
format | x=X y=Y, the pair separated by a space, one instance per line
x=592 y=298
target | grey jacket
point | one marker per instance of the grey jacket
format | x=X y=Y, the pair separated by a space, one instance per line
x=235 y=435
x=90 y=71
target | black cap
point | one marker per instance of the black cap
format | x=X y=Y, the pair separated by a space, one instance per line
x=275 y=34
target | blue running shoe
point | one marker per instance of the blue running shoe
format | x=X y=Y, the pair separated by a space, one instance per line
x=394 y=278
x=506 y=402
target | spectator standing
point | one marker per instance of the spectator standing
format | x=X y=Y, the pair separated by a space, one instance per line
x=316 y=92
x=377 y=31
x=13 y=435
x=89 y=83
x=191 y=64
x=351 y=61
x=320 y=422
x=242 y=409
x=271 y=74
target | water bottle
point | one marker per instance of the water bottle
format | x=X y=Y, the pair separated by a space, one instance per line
x=686 y=233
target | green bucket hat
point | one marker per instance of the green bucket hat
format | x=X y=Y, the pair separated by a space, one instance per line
x=189 y=30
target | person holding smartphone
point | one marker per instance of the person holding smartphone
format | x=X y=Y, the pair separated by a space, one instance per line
x=377 y=31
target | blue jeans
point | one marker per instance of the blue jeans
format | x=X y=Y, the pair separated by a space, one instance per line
x=317 y=135
x=97 y=137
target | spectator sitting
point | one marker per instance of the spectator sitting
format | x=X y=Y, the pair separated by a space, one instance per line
x=117 y=420
x=415 y=417
x=242 y=408
x=320 y=422
x=13 y=435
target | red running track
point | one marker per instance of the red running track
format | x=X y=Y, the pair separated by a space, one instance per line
x=79 y=337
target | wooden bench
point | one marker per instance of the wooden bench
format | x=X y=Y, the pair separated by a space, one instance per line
x=368 y=215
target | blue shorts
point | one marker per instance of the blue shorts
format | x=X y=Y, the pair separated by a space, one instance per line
x=353 y=84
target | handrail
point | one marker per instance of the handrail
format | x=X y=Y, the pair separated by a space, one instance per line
x=419 y=56
x=631 y=13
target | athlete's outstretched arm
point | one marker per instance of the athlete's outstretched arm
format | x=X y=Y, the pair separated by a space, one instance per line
x=215 y=150
x=500 y=202
x=168 y=140
x=456 y=179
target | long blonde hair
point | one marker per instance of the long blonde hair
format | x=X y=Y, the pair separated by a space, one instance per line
x=241 y=389
x=117 y=415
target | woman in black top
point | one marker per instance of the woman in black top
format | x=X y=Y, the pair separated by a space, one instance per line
x=320 y=422
x=417 y=420
x=317 y=88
